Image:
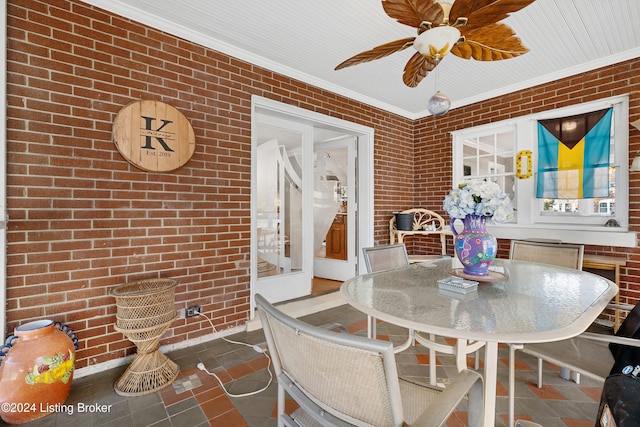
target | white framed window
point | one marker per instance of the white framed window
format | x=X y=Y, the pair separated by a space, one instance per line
x=491 y=152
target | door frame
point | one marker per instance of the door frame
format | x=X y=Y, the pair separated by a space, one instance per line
x=364 y=208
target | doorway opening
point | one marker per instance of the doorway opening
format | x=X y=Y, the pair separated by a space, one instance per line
x=311 y=199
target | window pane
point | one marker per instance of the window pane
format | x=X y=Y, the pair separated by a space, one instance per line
x=491 y=156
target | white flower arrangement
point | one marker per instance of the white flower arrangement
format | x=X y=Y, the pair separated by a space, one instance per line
x=479 y=197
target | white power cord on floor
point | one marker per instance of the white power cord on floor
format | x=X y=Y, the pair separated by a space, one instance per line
x=256 y=348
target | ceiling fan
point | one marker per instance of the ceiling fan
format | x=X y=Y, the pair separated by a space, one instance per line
x=466 y=28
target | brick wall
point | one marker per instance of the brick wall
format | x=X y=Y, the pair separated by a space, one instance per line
x=83 y=220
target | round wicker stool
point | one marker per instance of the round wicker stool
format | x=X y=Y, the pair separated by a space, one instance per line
x=145 y=310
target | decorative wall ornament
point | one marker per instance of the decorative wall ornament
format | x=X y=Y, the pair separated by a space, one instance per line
x=154 y=136
x=522 y=172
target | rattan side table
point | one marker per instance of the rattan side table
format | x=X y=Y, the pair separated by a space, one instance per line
x=146 y=309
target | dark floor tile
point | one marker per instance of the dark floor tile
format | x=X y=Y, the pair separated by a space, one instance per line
x=256 y=407
x=119 y=409
x=148 y=414
x=117 y=422
x=191 y=417
x=141 y=403
x=47 y=421
x=182 y=406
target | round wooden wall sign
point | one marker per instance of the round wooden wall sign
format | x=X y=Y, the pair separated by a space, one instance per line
x=154 y=136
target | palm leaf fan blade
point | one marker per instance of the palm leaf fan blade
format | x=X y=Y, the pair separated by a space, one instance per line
x=491 y=43
x=462 y=50
x=466 y=8
x=417 y=69
x=481 y=13
x=414 y=12
x=377 y=52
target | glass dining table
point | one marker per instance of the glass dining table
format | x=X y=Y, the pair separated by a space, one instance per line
x=520 y=302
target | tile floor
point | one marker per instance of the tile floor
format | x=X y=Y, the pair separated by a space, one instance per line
x=196 y=399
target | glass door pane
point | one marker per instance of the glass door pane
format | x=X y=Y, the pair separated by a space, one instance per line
x=334 y=214
x=279 y=203
x=283 y=209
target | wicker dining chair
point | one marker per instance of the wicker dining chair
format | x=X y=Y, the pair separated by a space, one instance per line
x=343 y=380
x=380 y=258
x=386 y=257
x=545 y=252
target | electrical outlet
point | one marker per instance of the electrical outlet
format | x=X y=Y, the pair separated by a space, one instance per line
x=192 y=310
x=182 y=313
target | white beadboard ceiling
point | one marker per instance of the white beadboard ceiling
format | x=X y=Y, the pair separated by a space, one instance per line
x=306 y=39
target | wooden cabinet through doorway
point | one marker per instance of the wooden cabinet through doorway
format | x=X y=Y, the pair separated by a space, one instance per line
x=336 y=238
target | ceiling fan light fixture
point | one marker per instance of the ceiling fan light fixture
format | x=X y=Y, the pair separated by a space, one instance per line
x=436 y=42
x=438 y=104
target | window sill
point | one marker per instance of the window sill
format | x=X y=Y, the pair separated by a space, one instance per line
x=603 y=236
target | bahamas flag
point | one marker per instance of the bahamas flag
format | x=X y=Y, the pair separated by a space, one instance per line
x=573 y=156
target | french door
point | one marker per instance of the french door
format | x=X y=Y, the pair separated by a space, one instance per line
x=336 y=255
x=283 y=208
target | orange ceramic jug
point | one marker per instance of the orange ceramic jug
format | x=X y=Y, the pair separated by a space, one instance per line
x=36 y=369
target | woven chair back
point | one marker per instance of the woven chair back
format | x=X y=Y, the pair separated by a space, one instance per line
x=348 y=376
x=385 y=257
x=560 y=254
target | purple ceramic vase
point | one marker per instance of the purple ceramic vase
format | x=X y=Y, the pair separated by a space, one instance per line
x=475 y=247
